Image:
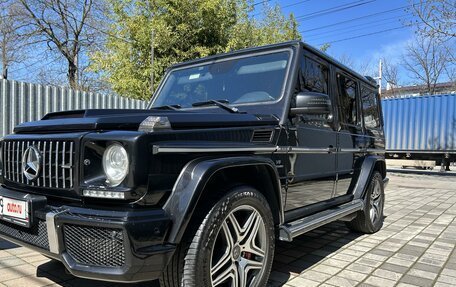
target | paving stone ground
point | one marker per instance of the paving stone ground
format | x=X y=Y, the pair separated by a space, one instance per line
x=416 y=247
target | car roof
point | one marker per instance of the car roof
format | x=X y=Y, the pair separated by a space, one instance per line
x=238 y=52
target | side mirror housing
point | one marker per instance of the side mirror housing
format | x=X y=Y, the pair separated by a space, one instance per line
x=311 y=103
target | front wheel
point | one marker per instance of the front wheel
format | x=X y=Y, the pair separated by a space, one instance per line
x=232 y=246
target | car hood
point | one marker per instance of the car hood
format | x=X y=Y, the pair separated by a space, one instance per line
x=122 y=119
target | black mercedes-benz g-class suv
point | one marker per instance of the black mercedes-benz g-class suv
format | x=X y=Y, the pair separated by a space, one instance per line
x=235 y=152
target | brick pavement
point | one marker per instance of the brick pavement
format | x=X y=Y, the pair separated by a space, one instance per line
x=416 y=247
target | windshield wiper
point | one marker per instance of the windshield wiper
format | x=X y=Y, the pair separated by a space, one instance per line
x=168 y=107
x=219 y=103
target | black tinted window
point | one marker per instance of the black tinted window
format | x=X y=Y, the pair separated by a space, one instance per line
x=347 y=99
x=313 y=76
x=370 y=108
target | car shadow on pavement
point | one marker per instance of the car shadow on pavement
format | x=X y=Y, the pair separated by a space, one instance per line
x=56 y=271
x=307 y=250
x=291 y=258
x=4 y=245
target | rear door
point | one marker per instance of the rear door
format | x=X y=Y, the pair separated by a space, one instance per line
x=350 y=137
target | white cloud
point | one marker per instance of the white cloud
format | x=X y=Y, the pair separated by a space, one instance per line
x=392 y=51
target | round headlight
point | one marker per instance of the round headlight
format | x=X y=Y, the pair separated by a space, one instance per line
x=115 y=164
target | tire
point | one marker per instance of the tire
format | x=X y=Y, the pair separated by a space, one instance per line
x=370 y=219
x=243 y=211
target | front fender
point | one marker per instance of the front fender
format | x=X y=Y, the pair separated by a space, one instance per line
x=191 y=182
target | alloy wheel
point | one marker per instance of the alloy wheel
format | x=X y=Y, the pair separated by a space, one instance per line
x=376 y=203
x=240 y=249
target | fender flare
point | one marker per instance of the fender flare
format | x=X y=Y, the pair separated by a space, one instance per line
x=367 y=168
x=192 y=180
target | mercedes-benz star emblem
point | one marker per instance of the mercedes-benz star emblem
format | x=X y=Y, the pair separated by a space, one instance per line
x=31 y=163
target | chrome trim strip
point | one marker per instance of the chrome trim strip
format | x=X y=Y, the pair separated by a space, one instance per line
x=50 y=164
x=57 y=164
x=10 y=158
x=33 y=181
x=304 y=150
x=63 y=164
x=38 y=182
x=71 y=164
x=156 y=149
x=351 y=150
x=258 y=150
x=52 y=231
x=375 y=150
x=17 y=162
x=421 y=151
x=44 y=164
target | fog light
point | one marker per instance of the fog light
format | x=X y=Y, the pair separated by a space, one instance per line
x=103 y=194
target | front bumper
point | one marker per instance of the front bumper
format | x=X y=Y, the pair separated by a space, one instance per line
x=111 y=245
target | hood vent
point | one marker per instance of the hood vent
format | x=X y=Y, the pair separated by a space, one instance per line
x=262 y=136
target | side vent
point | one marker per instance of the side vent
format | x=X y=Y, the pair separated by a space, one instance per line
x=262 y=136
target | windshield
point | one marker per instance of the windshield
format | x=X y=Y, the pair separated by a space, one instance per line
x=242 y=80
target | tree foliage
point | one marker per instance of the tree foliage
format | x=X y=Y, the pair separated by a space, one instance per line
x=154 y=34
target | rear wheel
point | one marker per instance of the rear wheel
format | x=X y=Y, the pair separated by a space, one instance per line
x=232 y=246
x=370 y=219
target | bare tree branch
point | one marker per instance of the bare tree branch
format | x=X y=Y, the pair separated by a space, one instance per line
x=426 y=60
x=14 y=37
x=390 y=74
x=438 y=17
x=63 y=24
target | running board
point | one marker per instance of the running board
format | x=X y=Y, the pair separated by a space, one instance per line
x=292 y=229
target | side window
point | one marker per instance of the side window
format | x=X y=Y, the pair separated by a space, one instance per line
x=313 y=76
x=370 y=108
x=347 y=89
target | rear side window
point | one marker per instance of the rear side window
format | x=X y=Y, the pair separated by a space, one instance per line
x=313 y=76
x=348 y=88
x=370 y=108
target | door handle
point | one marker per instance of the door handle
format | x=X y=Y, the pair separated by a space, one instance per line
x=331 y=149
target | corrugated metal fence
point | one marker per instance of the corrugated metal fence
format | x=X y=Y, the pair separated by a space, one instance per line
x=22 y=102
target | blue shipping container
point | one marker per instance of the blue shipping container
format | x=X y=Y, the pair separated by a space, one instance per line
x=423 y=123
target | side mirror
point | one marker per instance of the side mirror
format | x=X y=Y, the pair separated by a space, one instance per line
x=312 y=103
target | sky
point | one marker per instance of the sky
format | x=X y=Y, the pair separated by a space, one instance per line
x=345 y=25
x=362 y=31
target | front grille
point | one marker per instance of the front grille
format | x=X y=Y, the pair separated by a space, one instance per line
x=36 y=235
x=57 y=163
x=96 y=246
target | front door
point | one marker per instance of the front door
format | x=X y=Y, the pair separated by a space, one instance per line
x=312 y=175
x=312 y=171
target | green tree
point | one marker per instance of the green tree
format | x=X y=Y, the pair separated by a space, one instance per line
x=155 y=34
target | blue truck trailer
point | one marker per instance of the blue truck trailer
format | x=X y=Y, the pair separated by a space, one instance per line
x=421 y=128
